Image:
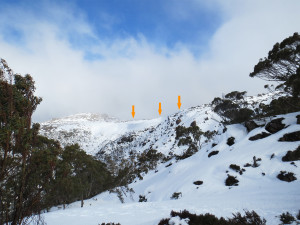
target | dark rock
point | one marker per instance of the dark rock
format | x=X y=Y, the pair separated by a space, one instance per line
x=294 y=136
x=230 y=141
x=213 y=153
x=275 y=125
x=235 y=167
x=213 y=145
x=259 y=136
x=298 y=119
x=286 y=176
x=198 y=182
x=231 y=181
x=250 y=125
x=292 y=155
x=178 y=121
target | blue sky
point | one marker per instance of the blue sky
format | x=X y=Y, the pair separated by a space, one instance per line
x=104 y=56
x=164 y=23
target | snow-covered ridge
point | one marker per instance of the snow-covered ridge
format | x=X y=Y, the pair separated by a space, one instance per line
x=91 y=131
x=258 y=188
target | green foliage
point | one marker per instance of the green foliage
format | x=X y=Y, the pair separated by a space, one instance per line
x=176 y=195
x=250 y=218
x=188 y=136
x=282 y=61
x=286 y=176
x=287 y=218
x=282 y=105
x=236 y=95
x=142 y=198
x=35 y=172
x=232 y=112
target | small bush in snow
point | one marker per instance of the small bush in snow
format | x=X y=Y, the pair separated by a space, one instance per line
x=230 y=141
x=142 y=198
x=250 y=218
x=235 y=167
x=176 y=195
x=231 y=181
x=286 y=218
x=286 y=176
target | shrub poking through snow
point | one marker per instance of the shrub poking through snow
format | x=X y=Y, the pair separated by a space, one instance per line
x=176 y=195
x=212 y=153
x=286 y=176
x=255 y=164
x=235 y=167
x=142 y=198
x=230 y=141
x=292 y=155
x=231 y=181
x=198 y=182
x=272 y=156
x=287 y=218
x=250 y=218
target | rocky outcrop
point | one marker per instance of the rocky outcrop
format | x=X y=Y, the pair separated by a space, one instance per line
x=250 y=125
x=294 y=136
x=259 y=136
x=275 y=125
x=298 y=119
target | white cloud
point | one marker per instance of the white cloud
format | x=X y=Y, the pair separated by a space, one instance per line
x=135 y=71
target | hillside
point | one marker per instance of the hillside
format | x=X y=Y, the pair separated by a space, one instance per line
x=254 y=163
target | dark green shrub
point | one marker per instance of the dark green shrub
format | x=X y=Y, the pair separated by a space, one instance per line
x=286 y=176
x=176 y=195
x=235 y=167
x=236 y=95
x=250 y=218
x=231 y=181
x=142 y=198
x=185 y=141
x=287 y=218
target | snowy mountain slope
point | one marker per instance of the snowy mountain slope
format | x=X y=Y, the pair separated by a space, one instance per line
x=258 y=189
x=91 y=131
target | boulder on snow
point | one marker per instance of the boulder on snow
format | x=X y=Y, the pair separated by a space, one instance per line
x=292 y=155
x=250 y=125
x=275 y=125
x=294 y=136
x=178 y=121
x=198 y=182
x=230 y=141
x=259 y=136
x=298 y=119
x=212 y=153
x=286 y=176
